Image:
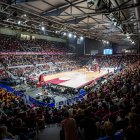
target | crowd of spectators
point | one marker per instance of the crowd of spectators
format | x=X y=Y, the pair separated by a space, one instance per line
x=15 y=60
x=25 y=65
x=15 y=44
x=109 y=111
x=40 y=45
x=22 y=60
x=61 y=62
x=112 y=61
x=18 y=120
x=3 y=74
x=9 y=44
x=112 y=110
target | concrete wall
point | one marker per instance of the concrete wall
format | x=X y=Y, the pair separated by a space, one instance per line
x=95 y=45
x=76 y=46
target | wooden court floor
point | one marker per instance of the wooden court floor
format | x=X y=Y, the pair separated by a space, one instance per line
x=76 y=78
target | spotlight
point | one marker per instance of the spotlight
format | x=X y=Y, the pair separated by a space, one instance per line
x=128 y=37
x=103 y=41
x=64 y=34
x=74 y=36
x=81 y=38
x=42 y=28
x=107 y=42
x=19 y=22
x=115 y=23
x=133 y=42
x=70 y=35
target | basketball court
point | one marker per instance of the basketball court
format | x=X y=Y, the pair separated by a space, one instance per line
x=73 y=79
x=76 y=78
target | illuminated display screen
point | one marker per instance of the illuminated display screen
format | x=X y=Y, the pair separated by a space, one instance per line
x=108 y=51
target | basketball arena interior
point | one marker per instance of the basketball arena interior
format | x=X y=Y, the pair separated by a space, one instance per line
x=69 y=69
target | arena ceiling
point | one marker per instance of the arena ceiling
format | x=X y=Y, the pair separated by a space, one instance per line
x=113 y=20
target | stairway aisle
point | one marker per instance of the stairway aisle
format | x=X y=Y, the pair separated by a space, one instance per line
x=51 y=132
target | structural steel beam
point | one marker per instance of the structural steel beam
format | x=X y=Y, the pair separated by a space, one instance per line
x=125 y=3
x=55 y=13
x=23 y=1
x=62 y=6
x=75 y=21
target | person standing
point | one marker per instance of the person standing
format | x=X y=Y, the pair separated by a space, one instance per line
x=88 y=127
x=108 y=71
x=99 y=68
x=69 y=127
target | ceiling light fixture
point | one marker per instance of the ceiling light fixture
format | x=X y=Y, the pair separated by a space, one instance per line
x=64 y=34
x=70 y=35
x=43 y=28
x=74 y=36
x=19 y=22
x=107 y=42
x=81 y=38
